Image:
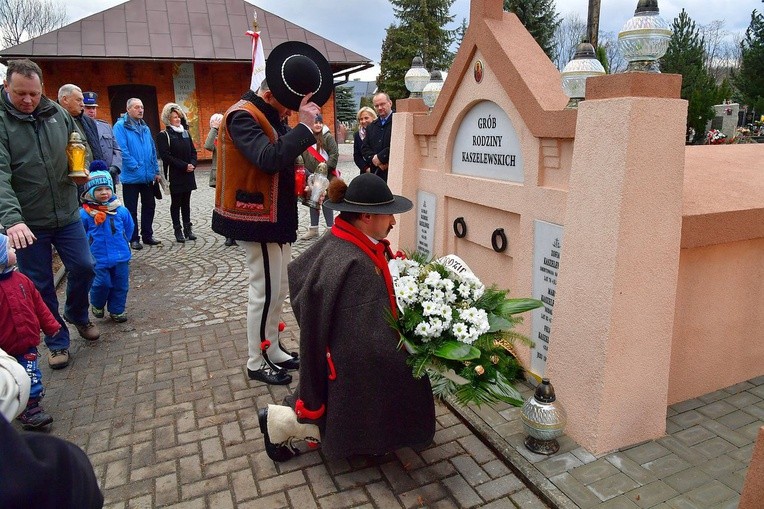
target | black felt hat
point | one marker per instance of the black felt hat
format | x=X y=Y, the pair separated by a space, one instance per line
x=293 y=70
x=368 y=193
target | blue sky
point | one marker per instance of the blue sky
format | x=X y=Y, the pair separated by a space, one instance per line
x=360 y=24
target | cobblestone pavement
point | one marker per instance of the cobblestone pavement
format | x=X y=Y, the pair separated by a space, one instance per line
x=163 y=408
x=162 y=405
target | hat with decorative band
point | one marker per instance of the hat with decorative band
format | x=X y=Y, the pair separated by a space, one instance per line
x=293 y=70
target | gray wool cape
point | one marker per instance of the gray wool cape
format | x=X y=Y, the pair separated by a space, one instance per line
x=374 y=405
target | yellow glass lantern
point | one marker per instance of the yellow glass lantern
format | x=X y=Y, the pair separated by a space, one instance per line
x=76 y=153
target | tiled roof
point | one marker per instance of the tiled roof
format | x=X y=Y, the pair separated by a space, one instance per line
x=207 y=30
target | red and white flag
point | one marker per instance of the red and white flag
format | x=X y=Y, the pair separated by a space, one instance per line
x=258 y=58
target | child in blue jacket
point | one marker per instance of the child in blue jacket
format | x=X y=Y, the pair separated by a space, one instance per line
x=109 y=227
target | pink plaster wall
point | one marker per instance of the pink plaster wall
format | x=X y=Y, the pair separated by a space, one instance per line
x=660 y=298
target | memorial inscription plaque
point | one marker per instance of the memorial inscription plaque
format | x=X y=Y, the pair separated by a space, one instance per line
x=425 y=223
x=486 y=145
x=547 y=247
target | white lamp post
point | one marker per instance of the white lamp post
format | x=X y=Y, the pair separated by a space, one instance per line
x=583 y=65
x=416 y=77
x=432 y=89
x=644 y=38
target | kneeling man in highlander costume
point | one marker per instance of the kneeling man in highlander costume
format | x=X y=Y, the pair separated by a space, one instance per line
x=357 y=395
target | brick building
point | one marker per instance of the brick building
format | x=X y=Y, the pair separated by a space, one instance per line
x=193 y=52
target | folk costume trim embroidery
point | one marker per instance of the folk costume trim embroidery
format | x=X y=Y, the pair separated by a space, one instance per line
x=253 y=197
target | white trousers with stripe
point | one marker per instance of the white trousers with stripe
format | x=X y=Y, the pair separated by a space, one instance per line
x=268 y=287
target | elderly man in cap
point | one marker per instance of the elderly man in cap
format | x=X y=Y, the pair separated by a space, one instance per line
x=357 y=395
x=255 y=198
x=71 y=98
x=112 y=154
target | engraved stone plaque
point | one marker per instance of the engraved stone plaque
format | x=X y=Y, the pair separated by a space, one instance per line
x=547 y=247
x=425 y=223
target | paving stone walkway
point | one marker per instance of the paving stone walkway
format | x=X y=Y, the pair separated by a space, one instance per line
x=162 y=405
x=163 y=408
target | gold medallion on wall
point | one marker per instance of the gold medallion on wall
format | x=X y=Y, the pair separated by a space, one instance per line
x=477 y=71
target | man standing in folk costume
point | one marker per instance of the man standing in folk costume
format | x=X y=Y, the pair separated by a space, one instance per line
x=357 y=395
x=255 y=198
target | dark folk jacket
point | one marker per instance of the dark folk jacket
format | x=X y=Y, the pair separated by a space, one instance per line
x=249 y=206
x=371 y=402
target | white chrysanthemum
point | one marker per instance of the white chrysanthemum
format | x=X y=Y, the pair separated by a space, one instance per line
x=472 y=336
x=406 y=289
x=432 y=279
x=464 y=290
x=469 y=315
x=423 y=330
x=445 y=312
x=436 y=326
x=447 y=285
x=425 y=293
x=460 y=330
x=397 y=263
x=430 y=308
x=410 y=267
x=438 y=296
x=478 y=292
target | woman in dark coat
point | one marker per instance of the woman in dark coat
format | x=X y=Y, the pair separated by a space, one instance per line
x=178 y=153
x=365 y=117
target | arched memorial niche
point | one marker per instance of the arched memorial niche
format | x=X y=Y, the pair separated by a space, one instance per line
x=486 y=145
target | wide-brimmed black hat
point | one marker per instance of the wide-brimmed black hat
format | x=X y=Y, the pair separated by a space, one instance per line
x=369 y=194
x=293 y=70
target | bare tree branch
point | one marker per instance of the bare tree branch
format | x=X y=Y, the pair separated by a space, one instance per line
x=567 y=36
x=25 y=19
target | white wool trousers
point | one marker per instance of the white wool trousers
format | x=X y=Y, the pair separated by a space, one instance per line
x=268 y=287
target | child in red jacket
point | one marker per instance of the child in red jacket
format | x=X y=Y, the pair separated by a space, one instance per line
x=22 y=314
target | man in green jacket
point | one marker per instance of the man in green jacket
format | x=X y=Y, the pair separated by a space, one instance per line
x=39 y=207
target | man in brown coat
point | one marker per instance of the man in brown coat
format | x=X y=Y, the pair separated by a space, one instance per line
x=356 y=395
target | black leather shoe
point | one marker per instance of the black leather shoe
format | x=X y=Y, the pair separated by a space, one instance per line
x=280 y=377
x=290 y=364
x=151 y=241
x=274 y=452
x=137 y=246
x=230 y=242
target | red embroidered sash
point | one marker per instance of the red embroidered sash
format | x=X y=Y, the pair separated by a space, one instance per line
x=379 y=253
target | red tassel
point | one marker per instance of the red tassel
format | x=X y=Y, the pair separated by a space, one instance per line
x=330 y=363
x=264 y=345
x=282 y=326
x=304 y=413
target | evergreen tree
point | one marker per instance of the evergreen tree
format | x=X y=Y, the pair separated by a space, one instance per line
x=367 y=101
x=419 y=32
x=459 y=36
x=344 y=104
x=686 y=56
x=540 y=18
x=601 y=52
x=749 y=79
